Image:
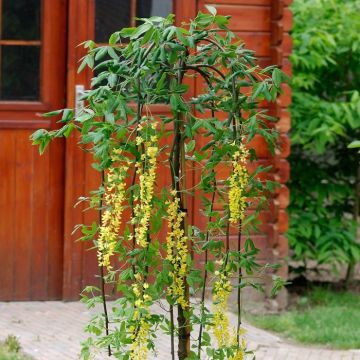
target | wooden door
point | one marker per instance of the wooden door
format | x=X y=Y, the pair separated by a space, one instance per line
x=96 y=20
x=32 y=81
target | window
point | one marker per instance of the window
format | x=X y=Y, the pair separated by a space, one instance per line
x=20 y=44
x=113 y=15
x=147 y=8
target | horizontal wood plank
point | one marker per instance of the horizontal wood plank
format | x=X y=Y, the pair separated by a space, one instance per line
x=25 y=124
x=246 y=17
x=237 y=2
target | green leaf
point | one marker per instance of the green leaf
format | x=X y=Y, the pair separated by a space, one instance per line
x=258 y=89
x=114 y=38
x=212 y=10
x=127 y=32
x=354 y=144
x=43 y=145
x=156 y=222
x=221 y=21
x=52 y=113
x=68 y=115
x=213 y=245
x=85 y=61
x=210 y=266
x=190 y=146
x=101 y=53
x=203 y=20
x=180 y=34
x=140 y=30
x=112 y=79
x=161 y=82
x=277 y=77
x=66 y=130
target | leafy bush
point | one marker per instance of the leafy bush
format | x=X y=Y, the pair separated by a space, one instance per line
x=326 y=118
x=10 y=349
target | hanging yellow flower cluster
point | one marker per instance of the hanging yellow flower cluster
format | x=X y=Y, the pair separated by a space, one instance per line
x=240 y=353
x=140 y=332
x=238 y=183
x=146 y=171
x=224 y=335
x=111 y=218
x=221 y=325
x=138 y=347
x=177 y=251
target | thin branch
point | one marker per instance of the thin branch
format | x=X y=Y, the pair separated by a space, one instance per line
x=202 y=304
x=138 y=117
x=201 y=72
x=210 y=67
x=101 y=268
x=214 y=43
x=239 y=288
x=172 y=330
x=206 y=257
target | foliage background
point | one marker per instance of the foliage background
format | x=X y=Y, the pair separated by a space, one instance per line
x=325 y=119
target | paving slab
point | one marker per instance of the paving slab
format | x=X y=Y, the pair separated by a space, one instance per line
x=53 y=330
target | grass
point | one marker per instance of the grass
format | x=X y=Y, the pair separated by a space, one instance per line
x=322 y=316
x=10 y=349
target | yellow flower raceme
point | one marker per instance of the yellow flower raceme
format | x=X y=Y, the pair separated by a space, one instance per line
x=147 y=178
x=239 y=355
x=221 y=325
x=240 y=351
x=140 y=338
x=177 y=251
x=140 y=333
x=114 y=198
x=224 y=335
x=238 y=183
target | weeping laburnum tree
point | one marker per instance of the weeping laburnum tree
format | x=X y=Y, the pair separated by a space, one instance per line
x=152 y=165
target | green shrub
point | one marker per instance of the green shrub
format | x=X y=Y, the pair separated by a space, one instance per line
x=12 y=343
x=10 y=349
x=325 y=118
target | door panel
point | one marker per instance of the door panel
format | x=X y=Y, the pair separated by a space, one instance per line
x=32 y=80
x=95 y=19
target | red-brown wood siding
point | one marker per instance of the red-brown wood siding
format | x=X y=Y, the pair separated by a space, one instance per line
x=31 y=190
x=263 y=25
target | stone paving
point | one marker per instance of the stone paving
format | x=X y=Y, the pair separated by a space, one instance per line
x=53 y=331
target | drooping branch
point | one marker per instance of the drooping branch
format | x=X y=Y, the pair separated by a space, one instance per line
x=203 y=290
x=101 y=269
x=197 y=67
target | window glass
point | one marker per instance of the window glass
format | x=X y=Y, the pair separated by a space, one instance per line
x=20 y=79
x=147 y=8
x=111 y=16
x=20 y=20
x=20 y=48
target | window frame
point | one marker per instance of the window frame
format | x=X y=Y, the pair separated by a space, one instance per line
x=47 y=14
x=26 y=114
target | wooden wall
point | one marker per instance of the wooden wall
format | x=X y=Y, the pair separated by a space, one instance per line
x=264 y=26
